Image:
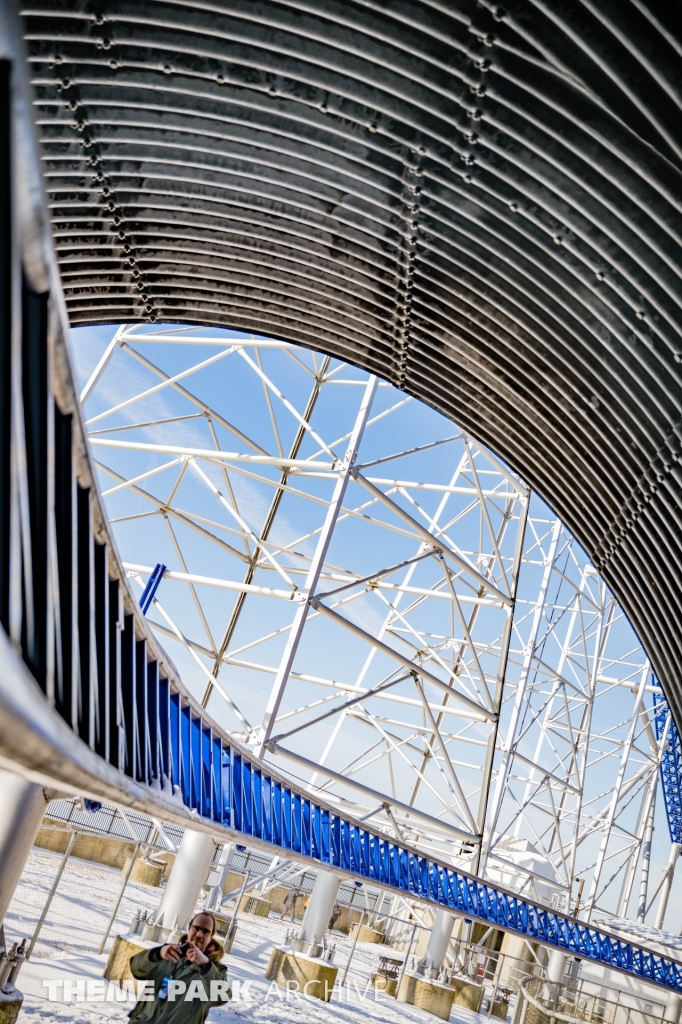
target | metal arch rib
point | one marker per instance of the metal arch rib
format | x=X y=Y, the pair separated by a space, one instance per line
x=486 y=212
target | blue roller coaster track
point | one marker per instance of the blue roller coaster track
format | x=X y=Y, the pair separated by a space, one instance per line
x=671 y=766
x=87 y=697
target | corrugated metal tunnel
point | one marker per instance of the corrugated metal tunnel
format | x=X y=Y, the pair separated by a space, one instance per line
x=479 y=203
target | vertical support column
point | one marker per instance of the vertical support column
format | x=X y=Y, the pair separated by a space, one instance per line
x=187 y=876
x=316 y=918
x=667 y=884
x=673 y=1006
x=315 y=569
x=509 y=745
x=225 y=860
x=613 y=807
x=21 y=812
x=439 y=940
x=646 y=860
x=556 y=966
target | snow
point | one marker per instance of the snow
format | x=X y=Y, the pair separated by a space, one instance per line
x=67 y=950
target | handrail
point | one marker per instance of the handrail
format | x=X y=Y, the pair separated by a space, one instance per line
x=554 y=1014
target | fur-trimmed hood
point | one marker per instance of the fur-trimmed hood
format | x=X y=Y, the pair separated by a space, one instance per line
x=215 y=954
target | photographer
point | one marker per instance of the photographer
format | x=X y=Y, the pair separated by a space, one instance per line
x=188 y=977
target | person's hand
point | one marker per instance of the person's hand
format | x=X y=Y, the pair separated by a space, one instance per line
x=195 y=956
x=171 y=952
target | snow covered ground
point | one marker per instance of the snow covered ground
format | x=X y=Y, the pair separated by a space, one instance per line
x=67 y=951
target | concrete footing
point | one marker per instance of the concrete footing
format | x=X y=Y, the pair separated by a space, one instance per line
x=145 y=873
x=256 y=906
x=118 y=964
x=222 y=926
x=426 y=995
x=10 y=1004
x=386 y=986
x=366 y=934
x=301 y=973
x=500 y=1009
x=467 y=993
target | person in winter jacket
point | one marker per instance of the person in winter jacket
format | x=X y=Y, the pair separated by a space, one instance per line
x=188 y=977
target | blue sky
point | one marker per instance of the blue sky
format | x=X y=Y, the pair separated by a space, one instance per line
x=230 y=386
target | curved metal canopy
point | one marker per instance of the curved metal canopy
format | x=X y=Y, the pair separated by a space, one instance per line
x=480 y=203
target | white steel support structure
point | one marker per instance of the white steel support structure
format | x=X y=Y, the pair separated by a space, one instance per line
x=316 y=564
x=666 y=884
x=439 y=939
x=187 y=876
x=22 y=808
x=513 y=730
x=320 y=905
x=425 y=636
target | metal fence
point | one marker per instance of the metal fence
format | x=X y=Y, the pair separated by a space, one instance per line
x=81 y=904
x=544 y=1002
x=66 y=905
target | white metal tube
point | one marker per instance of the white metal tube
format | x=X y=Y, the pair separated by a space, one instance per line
x=439 y=940
x=187 y=876
x=556 y=966
x=211 y=454
x=441 y=827
x=101 y=366
x=667 y=885
x=673 y=1006
x=611 y=816
x=21 y=812
x=509 y=744
x=211 y=581
x=320 y=906
x=316 y=564
x=646 y=860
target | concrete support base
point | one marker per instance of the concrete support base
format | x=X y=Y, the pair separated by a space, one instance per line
x=254 y=905
x=301 y=973
x=500 y=1009
x=233 y=880
x=426 y=995
x=222 y=925
x=346 y=919
x=145 y=873
x=386 y=986
x=118 y=964
x=366 y=934
x=467 y=993
x=10 y=1004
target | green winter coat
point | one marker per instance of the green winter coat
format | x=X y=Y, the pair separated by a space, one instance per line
x=148 y=965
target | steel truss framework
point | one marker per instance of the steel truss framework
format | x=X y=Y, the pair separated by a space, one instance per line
x=671 y=766
x=88 y=700
x=480 y=202
x=515 y=674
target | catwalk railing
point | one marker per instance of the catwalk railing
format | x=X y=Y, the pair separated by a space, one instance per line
x=87 y=697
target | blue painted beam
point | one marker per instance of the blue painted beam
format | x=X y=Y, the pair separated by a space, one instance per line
x=149 y=592
x=671 y=766
x=145 y=728
x=223 y=783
